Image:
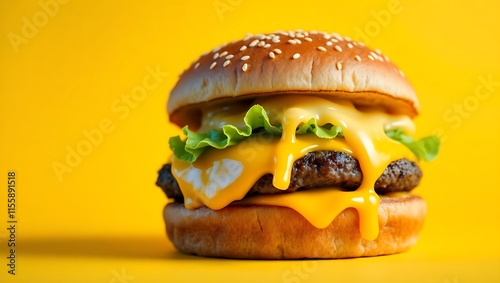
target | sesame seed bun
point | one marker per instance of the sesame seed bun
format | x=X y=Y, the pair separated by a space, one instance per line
x=309 y=63
x=271 y=232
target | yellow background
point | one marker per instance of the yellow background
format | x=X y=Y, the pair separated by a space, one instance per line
x=100 y=221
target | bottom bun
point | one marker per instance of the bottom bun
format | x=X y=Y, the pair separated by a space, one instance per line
x=271 y=232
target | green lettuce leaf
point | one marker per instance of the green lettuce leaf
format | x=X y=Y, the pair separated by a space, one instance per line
x=425 y=149
x=257 y=121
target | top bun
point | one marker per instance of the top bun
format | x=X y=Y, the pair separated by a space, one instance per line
x=309 y=63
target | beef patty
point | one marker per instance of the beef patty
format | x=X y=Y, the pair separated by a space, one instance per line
x=319 y=169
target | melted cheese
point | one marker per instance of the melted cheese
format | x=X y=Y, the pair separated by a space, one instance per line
x=220 y=177
x=219 y=115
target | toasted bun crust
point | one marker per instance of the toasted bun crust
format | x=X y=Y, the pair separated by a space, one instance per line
x=270 y=232
x=301 y=62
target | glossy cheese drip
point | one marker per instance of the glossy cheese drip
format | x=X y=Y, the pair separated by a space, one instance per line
x=220 y=177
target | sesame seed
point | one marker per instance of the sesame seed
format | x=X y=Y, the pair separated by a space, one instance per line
x=223 y=54
x=271 y=54
x=276 y=39
x=327 y=36
x=248 y=36
x=313 y=32
x=371 y=57
x=378 y=51
x=278 y=51
x=296 y=56
x=401 y=73
x=338 y=48
x=321 y=48
x=357 y=58
x=300 y=35
x=298 y=41
x=243 y=48
x=347 y=38
x=230 y=56
x=339 y=66
x=349 y=45
x=267 y=45
x=253 y=43
x=216 y=55
x=375 y=55
x=197 y=65
x=227 y=62
x=386 y=58
x=244 y=58
x=292 y=41
x=213 y=65
x=262 y=43
x=244 y=67
x=260 y=36
x=329 y=43
x=308 y=39
x=334 y=40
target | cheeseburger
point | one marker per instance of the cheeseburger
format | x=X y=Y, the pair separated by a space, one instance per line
x=294 y=145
